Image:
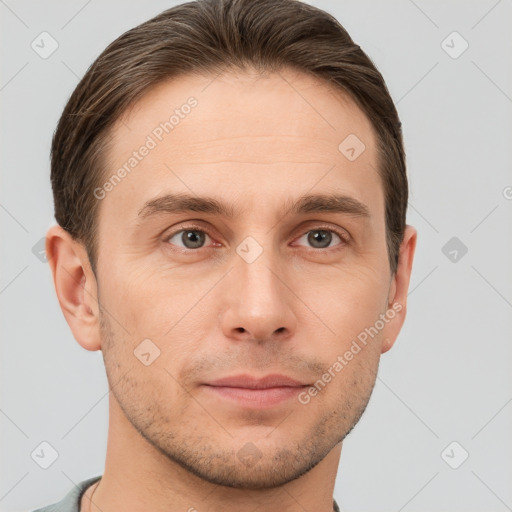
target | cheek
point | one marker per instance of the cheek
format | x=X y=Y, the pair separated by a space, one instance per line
x=348 y=301
x=140 y=367
x=145 y=305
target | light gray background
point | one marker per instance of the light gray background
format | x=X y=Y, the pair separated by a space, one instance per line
x=448 y=377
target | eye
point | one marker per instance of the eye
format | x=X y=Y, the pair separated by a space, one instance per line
x=321 y=238
x=190 y=238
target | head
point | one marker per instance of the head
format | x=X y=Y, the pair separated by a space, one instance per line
x=230 y=191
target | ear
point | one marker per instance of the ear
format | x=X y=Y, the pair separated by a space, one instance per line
x=75 y=285
x=397 y=298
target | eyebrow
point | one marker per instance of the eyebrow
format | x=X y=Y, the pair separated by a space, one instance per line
x=315 y=203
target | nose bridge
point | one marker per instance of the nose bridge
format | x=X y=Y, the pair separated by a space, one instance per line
x=259 y=306
x=255 y=265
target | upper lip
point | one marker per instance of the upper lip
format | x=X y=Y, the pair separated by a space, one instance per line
x=250 y=382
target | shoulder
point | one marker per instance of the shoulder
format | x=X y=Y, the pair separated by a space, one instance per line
x=70 y=502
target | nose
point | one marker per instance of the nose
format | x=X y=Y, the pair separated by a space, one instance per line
x=259 y=300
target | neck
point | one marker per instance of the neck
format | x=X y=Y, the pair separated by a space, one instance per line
x=138 y=477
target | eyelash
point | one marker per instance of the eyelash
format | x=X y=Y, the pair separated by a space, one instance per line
x=343 y=237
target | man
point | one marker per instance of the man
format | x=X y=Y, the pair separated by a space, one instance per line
x=230 y=192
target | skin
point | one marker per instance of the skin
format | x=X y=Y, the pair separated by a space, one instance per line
x=256 y=141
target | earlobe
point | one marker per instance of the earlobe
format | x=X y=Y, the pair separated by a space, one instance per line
x=75 y=286
x=387 y=343
x=397 y=299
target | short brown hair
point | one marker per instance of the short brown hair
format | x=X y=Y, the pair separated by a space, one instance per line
x=209 y=36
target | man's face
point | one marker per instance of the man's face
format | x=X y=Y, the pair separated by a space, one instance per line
x=266 y=291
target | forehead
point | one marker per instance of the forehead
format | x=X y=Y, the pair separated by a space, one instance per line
x=259 y=136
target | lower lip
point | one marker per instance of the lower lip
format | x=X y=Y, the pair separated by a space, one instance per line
x=257 y=398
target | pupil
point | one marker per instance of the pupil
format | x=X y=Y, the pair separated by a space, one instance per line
x=193 y=239
x=319 y=237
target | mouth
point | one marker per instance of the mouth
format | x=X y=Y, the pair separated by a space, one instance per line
x=256 y=393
